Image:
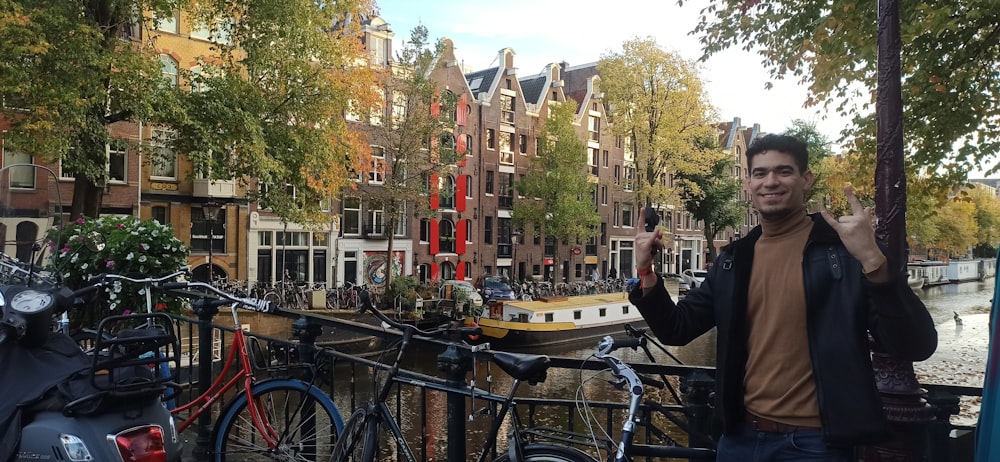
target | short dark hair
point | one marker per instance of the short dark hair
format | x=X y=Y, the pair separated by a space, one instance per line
x=781 y=143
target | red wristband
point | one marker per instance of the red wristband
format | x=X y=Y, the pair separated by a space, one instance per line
x=645 y=271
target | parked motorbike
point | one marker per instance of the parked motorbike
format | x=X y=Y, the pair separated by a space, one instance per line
x=59 y=403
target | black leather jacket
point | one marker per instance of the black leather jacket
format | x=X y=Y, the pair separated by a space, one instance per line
x=842 y=308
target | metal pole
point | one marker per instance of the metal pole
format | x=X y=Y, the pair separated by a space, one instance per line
x=907 y=412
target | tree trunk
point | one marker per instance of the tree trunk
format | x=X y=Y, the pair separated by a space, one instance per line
x=87 y=199
x=710 y=238
x=388 y=253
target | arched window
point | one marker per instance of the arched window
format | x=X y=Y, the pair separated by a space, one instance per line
x=168 y=66
x=447 y=240
x=447 y=271
x=447 y=192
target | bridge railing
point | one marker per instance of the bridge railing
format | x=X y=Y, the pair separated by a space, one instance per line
x=347 y=377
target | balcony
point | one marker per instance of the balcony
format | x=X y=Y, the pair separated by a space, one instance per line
x=214 y=188
x=506 y=202
x=505 y=250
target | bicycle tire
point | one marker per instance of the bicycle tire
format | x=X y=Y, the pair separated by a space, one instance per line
x=358 y=441
x=544 y=452
x=281 y=399
x=273 y=298
x=86 y=339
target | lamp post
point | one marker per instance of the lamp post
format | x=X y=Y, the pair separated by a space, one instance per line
x=211 y=212
x=514 y=235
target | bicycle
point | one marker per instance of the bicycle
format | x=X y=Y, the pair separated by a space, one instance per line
x=287 y=419
x=359 y=441
x=625 y=448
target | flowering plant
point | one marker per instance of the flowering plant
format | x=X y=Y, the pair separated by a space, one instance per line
x=131 y=247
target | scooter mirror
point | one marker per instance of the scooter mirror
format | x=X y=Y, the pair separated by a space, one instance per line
x=95 y=241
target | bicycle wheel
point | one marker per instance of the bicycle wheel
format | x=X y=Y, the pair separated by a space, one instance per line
x=357 y=442
x=274 y=298
x=305 y=419
x=542 y=452
x=85 y=339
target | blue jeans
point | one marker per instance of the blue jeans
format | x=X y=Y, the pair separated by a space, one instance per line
x=749 y=445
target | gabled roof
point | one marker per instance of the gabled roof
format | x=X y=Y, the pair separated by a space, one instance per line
x=482 y=81
x=533 y=86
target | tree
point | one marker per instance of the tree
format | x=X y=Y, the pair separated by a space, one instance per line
x=987 y=217
x=420 y=149
x=658 y=104
x=956 y=227
x=950 y=53
x=66 y=76
x=557 y=188
x=819 y=149
x=269 y=106
x=713 y=197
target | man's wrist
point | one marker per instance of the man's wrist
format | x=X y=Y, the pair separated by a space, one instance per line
x=643 y=271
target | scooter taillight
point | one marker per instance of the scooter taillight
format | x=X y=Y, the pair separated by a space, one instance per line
x=142 y=444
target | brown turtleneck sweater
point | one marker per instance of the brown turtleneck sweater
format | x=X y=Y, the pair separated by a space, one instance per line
x=779 y=381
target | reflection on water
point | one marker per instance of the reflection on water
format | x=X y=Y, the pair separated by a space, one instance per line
x=417 y=408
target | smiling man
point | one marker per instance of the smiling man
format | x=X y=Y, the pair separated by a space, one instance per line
x=793 y=302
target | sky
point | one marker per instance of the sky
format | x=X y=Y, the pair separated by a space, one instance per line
x=547 y=31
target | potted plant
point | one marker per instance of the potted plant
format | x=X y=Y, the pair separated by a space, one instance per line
x=131 y=247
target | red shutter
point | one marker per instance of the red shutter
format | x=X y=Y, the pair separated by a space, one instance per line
x=460 y=111
x=435 y=198
x=460 y=271
x=435 y=237
x=460 y=236
x=436 y=105
x=460 y=147
x=434 y=270
x=460 y=193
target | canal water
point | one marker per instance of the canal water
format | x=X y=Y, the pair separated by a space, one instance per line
x=960 y=360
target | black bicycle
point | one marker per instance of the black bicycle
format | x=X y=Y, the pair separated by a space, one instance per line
x=360 y=440
x=625 y=448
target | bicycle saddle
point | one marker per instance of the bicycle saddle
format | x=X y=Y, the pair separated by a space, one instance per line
x=531 y=368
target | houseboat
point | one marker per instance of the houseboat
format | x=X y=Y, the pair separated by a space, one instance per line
x=557 y=321
x=928 y=273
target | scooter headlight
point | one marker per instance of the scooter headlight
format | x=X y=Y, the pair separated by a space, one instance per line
x=76 y=449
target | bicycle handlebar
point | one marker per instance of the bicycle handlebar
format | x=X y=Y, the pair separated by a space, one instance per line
x=445 y=330
x=252 y=304
x=148 y=280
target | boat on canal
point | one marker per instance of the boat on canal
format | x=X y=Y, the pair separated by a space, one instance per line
x=544 y=322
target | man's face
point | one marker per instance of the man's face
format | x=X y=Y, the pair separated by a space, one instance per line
x=776 y=185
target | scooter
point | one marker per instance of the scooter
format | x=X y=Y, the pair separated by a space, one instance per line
x=59 y=403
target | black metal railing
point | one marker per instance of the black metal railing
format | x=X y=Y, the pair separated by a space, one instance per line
x=347 y=378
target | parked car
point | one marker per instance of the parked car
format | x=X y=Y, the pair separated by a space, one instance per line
x=496 y=288
x=693 y=277
x=472 y=298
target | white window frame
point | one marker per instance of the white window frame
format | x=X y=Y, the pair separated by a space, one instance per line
x=356 y=211
x=377 y=173
x=123 y=152
x=12 y=175
x=166 y=62
x=159 y=135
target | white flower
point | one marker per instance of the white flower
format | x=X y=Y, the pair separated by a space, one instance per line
x=75 y=257
x=144 y=247
x=130 y=256
x=114 y=305
x=84 y=266
x=142 y=258
x=142 y=291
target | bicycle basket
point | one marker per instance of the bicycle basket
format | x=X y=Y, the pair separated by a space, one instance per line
x=134 y=352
